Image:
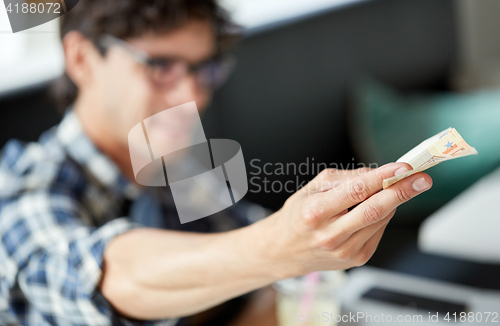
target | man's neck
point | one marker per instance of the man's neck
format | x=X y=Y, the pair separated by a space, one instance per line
x=94 y=126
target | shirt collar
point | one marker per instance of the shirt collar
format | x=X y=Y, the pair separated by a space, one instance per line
x=81 y=149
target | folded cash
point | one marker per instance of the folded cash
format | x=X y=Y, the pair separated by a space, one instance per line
x=447 y=145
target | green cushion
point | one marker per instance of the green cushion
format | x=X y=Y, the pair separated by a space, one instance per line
x=385 y=124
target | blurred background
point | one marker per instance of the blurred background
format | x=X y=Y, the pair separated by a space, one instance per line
x=341 y=82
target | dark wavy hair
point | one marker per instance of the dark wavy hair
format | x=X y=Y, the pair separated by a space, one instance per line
x=133 y=18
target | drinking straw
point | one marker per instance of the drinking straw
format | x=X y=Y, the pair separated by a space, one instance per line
x=306 y=302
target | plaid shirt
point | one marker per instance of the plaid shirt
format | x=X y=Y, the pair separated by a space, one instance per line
x=61 y=201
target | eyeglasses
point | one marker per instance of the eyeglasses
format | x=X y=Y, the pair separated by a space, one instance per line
x=210 y=74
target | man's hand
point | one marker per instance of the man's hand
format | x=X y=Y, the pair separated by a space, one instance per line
x=153 y=274
x=321 y=228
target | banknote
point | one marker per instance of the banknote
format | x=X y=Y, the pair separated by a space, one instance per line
x=445 y=146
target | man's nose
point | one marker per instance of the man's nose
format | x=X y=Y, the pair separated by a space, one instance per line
x=183 y=91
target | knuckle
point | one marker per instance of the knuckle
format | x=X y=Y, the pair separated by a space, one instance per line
x=331 y=171
x=364 y=170
x=325 y=241
x=358 y=192
x=361 y=258
x=311 y=213
x=403 y=195
x=372 y=213
x=379 y=177
x=344 y=234
x=343 y=255
x=336 y=183
x=327 y=174
x=324 y=172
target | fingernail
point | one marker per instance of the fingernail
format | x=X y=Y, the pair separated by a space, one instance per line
x=401 y=171
x=421 y=184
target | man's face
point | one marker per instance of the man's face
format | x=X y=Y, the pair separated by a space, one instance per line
x=126 y=93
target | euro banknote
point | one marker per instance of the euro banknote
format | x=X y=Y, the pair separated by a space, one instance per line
x=445 y=146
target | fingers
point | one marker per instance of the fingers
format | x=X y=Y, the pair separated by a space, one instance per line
x=322 y=205
x=356 y=241
x=351 y=245
x=380 y=205
x=362 y=245
x=370 y=247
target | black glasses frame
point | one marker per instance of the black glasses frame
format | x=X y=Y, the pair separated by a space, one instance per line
x=211 y=73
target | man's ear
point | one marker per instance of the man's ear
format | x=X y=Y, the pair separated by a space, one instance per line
x=80 y=55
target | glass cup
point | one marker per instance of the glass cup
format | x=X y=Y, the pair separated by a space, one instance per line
x=310 y=299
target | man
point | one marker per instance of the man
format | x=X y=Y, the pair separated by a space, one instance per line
x=74 y=247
